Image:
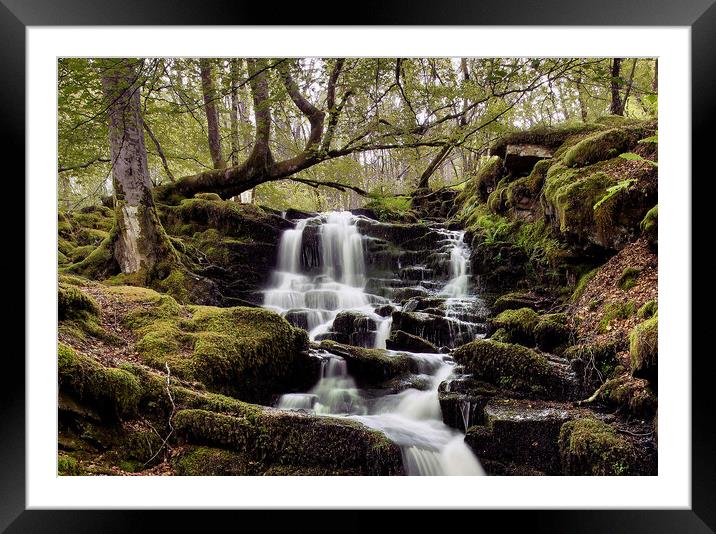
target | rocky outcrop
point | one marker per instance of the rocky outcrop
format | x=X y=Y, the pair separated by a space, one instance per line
x=400 y=340
x=521 y=158
x=370 y=367
x=524 y=433
x=519 y=369
x=292 y=439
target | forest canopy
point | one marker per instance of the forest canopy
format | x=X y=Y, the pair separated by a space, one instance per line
x=375 y=126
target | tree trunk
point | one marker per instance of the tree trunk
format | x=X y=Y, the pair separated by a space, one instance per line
x=582 y=101
x=234 y=115
x=616 y=107
x=140 y=241
x=212 y=116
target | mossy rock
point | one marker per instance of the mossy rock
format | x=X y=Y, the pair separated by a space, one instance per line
x=115 y=392
x=400 y=340
x=644 y=349
x=594 y=362
x=598 y=147
x=551 y=332
x=286 y=438
x=484 y=182
x=250 y=353
x=590 y=447
x=512 y=367
x=370 y=367
x=79 y=314
x=516 y=300
x=67 y=465
x=650 y=226
x=208 y=196
x=548 y=136
x=648 y=309
x=73 y=303
x=519 y=325
x=630 y=395
x=210 y=461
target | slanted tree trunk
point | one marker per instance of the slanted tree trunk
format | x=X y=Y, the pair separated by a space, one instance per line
x=212 y=115
x=140 y=242
x=616 y=107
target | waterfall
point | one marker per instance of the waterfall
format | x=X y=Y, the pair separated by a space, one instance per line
x=459 y=255
x=311 y=292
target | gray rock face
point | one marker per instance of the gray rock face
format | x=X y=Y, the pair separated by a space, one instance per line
x=520 y=159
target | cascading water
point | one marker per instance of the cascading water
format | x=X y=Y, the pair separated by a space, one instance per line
x=338 y=287
x=312 y=298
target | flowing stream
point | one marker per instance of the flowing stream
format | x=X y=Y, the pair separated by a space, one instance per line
x=322 y=272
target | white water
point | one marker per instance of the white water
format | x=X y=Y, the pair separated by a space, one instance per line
x=411 y=418
x=339 y=286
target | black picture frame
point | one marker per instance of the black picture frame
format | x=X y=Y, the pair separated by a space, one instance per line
x=699 y=15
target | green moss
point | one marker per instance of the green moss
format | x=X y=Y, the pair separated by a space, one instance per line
x=369 y=366
x=644 y=349
x=240 y=351
x=650 y=226
x=615 y=311
x=207 y=196
x=549 y=136
x=513 y=301
x=519 y=325
x=79 y=314
x=390 y=208
x=630 y=395
x=591 y=447
x=582 y=284
x=115 y=391
x=73 y=303
x=627 y=279
x=551 y=332
x=597 y=147
x=175 y=285
x=67 y=465
x=513 y=366
x=284 y=438
x=599 y=356
x=572 y=196
x=527 y=187
x=485 y=179
x=209 y=461
x=648 y=310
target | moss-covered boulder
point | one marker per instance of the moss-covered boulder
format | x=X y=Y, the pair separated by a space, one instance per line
x=287 y=438
x=650 y=226
x=114 y=392
x=520 y=432
x=249 y=353
x=518 y=299
x=552 y=332
x=211 y=461
x=400 y=340
x=629 y=395
x=516 y=368
x=591 y=447
x=644 y=349
x=518 y=325
x=370 y=367
x=648 y=309
x=593 y=362
x=599 y=147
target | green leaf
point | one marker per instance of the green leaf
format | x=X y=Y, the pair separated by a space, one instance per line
x=631 y=156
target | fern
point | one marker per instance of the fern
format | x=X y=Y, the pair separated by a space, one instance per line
x=615 y=189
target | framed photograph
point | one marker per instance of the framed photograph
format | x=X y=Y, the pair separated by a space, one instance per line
x=411 y=263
